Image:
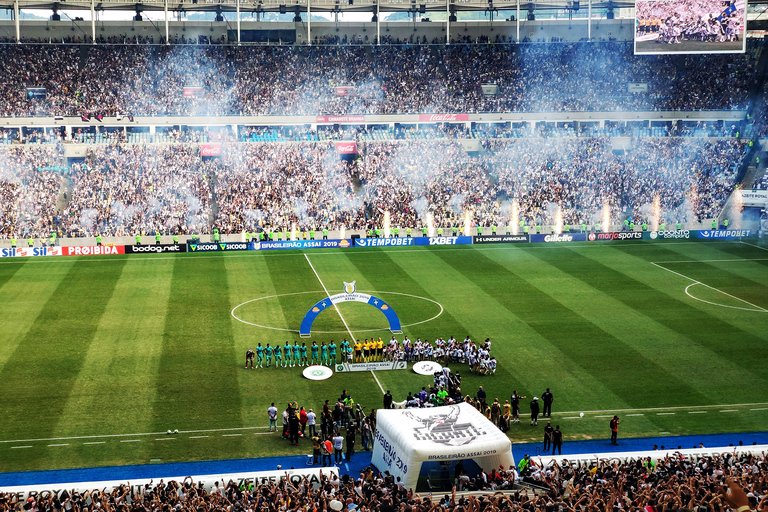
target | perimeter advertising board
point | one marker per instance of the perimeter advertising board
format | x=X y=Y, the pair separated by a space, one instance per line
x=25 y=252
x=384 y=242
x=443 y=240
x=565 y=237
x=302 y=244
x=93 y=250
x=500 y=239
x=221 y=246
x=722 y=234
x=156 y=249
x=615 y=235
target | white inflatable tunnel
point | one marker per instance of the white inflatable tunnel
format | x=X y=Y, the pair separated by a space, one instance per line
x=407 y=439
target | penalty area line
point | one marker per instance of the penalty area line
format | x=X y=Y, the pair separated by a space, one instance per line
x=757 y=308
x=351 y=335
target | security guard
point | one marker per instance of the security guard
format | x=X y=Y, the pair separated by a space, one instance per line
x=408 y=232
x=30 y=242
x=13 y=242
x=325 y=233
x=396 y=231
x=216 y=236
x=98 y=240
x=479 y=230
x=424 y=231
x=138 y=239
x=312 y=234
x=175 y=239
x=455 y=230
x=157 y=238
x=247 y=236
x=439 y=231
x=679 y=226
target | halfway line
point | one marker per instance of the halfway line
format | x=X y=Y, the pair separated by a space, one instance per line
x=352 y=336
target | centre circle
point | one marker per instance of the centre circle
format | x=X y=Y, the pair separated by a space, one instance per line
x=234 y=311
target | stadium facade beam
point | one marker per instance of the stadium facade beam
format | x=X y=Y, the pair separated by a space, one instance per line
x=16 y=19
x=378 y=22
x=167 y=33
x=517 y=21
x=238 y=20
x=93 y=21
x=589 y=21
x=309 y=22
x=447 y=22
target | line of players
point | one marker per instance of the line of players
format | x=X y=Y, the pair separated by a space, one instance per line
x=372 y=350
x=673 y=30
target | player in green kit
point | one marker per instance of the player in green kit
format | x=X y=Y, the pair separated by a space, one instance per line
x=344 y=345
x=314 y=349
x=332 y=352
x=303 y=354
x=260 y=356
x=286 y=354
x=269 y=351
x=278 y=356
x=295 y=351
x=324 y=353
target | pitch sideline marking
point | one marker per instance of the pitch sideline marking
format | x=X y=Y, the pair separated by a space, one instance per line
x=306 y=256
x=695 y=282
x=564 y=413
x=56 y=259
x=753 y=245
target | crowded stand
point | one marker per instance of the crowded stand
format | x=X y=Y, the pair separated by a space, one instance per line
x=219 y=80
x=279 y=187
x=134 y=189
x=29 y=189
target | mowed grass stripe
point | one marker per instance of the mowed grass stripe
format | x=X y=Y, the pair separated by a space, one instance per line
x=677 y=354
x=595 y=350
x=39 y=376
x=249 y=279
x=638 y=285
x=534 y=361
x=7 y=272
x=111 y=396
x=196 y=383
x=22 y=297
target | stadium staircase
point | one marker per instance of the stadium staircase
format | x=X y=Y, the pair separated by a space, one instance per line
x=442 y=67
x=83 y=56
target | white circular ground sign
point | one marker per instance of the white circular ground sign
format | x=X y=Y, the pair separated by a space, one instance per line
x=427 y=367
x=318 y=372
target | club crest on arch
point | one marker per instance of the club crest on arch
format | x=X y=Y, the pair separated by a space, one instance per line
x=350 y=287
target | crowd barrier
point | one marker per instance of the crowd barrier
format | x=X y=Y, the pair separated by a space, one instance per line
x=352 y=243
x=209 y=482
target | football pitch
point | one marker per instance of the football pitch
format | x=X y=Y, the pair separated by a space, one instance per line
x=99 y=356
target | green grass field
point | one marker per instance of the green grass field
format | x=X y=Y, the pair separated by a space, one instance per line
x=115 y=347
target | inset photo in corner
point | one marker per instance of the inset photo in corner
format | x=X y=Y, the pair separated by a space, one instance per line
x=690 y=26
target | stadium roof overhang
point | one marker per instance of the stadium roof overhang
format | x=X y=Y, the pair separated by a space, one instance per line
x=340 y=6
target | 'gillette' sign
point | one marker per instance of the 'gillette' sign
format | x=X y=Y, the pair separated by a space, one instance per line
x=565 y=237
x=383 y=242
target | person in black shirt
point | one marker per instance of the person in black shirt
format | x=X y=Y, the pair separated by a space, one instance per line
x=547 y=398
x=557 y=441
x=387 y=400
x=548 y=436
x=535 y=411
x=514 y=400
